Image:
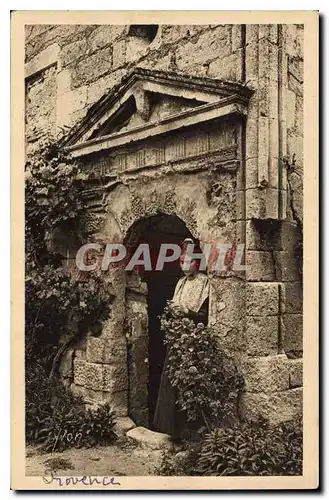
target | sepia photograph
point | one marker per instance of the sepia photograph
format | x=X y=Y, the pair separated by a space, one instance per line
x=163 y=226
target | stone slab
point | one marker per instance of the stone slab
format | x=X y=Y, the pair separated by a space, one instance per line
x=150 y=439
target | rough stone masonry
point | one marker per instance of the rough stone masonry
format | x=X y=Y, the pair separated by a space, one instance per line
x=202 y=124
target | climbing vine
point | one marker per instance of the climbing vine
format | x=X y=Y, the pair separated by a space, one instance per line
x=59 y=301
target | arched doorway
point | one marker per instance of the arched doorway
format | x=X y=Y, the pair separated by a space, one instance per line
x=146 y=349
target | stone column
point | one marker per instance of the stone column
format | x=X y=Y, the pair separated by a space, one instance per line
x=271 y=381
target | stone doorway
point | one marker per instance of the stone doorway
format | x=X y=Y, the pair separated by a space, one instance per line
x=147 y=294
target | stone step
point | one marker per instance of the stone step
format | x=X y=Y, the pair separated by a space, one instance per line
x=123 y=425
x=150 y=439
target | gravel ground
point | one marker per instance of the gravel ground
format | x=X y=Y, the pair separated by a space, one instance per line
x=122 y=459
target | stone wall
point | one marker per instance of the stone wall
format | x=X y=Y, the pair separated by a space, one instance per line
x=93 y=59
x=260 y=317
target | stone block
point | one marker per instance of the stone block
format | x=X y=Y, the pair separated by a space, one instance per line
x=236 y=37
x=260 y=266
x=115 y=350
x=93 y=67
x=240 y=205
x=119 y=402
x=296 y=67
x=292 y=297
x=115 y=378
x=252 y=172
x=63 y=81
x=150 y=439
x=66 y=363
x=119 y=54
x=206 y=48
x=105 y=35
x=262 y=203
x=261 y=335
x=70 y=103
x=292 y=332
x=266 y=373
x=263 y=235
x=79 y=391
x=225 y=67
x=94 y=376
x=252 y=55
x=95 y=350
x=296 y=372
x=73 y=52
x=79 y=371
x=262 y=299
x=276 y=407
x=286 y=266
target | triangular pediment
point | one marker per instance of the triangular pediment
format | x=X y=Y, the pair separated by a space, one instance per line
x=149 y=97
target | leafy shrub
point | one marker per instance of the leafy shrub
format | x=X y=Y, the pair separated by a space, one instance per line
x=60 y=306
x=206 y=379
x=244 y=450
x=56 y=419
x=252 y=450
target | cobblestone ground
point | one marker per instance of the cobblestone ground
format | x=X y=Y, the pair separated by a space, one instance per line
x=121 y=459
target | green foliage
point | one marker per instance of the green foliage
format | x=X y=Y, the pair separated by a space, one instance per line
x=60 y=306
x=56 y=419
x=243 y=450
x=53 y=186
x=206 y=379
x=58 y=303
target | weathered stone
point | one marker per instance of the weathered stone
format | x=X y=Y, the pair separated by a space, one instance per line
x=266 y=373
x=261 y=335
x=123 y=425
x=119 y=402
x=94 y=376
x=286 y=266
x=115 y=378
x=71 y=102
x=225 y=66
x=292 y=298
x=262 y=299
x=150 y=439
x=296 y=372
x=262 y=203
x=80 y=354
x=73 y=51
x=205 y=48
x=104 y=35
x=260 y=266
x=79 y=371
x=292 y=332
x=275 y=407
x=119 y=54
x=115 y=350
x=66 y=363
x=263 y=235
x=95 y=350
x=92 y=67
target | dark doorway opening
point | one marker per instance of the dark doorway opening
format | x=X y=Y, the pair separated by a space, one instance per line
x=155 y=231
